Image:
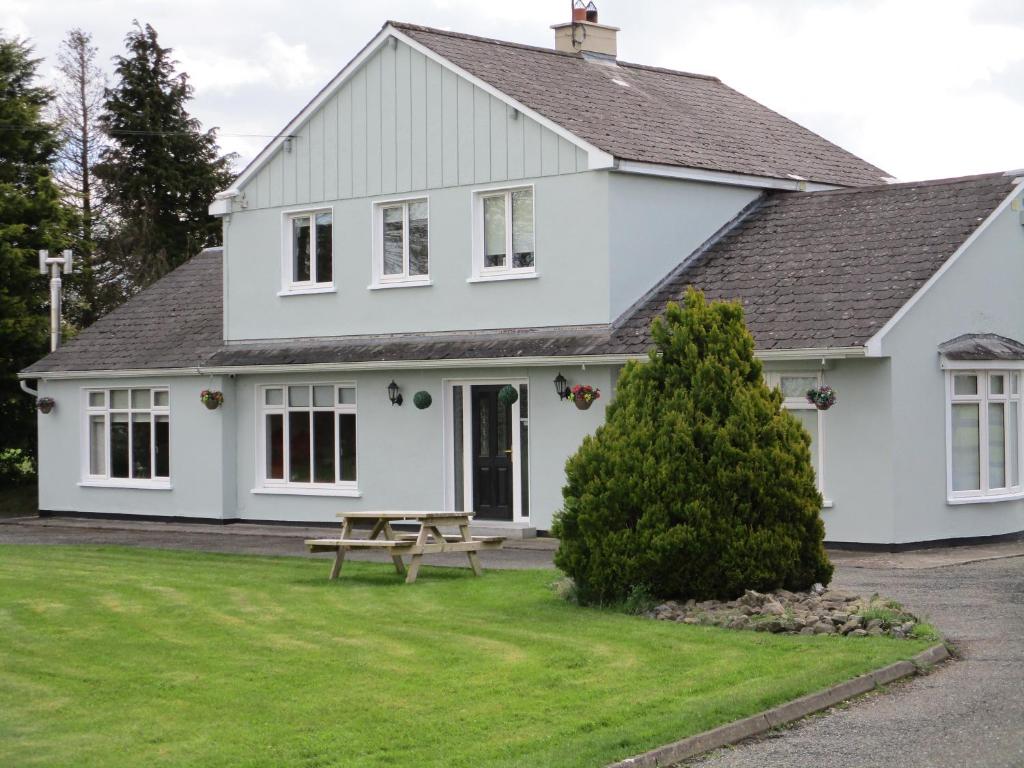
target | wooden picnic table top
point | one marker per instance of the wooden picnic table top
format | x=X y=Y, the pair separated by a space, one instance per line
x=402 y=515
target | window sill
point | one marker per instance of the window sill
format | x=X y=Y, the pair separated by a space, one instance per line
x=399 y=284
x=142 y=485
x=307 y=291
x=351 y=493
x=958 y=500
x=499 y=278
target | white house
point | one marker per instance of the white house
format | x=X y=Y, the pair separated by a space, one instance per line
x=454 y=215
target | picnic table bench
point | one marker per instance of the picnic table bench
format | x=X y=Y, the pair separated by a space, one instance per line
x=429 y=540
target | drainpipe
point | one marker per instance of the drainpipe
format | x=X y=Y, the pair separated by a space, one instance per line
x=27 y=389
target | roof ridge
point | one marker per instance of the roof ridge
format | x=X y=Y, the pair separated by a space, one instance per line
x=667 y=71
x=909 y=184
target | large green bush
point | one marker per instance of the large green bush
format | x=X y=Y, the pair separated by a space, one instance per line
x=698 y=484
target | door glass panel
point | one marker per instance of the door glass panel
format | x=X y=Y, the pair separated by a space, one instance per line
x=797 y=386
x=965 y=384
x=966 y=447
x=119 y=443
x=808 y=418
x=324 y=248
x=140 y=398
x=323 y=447
x=418 y=258
x=522 y=228
x=484 y=427
x=119 y=398
x=503 y=435
x=524 y=450
x=494 y=231
x=142 y=446
x=323 y=396
x=298 y=447
x=298 y=396
x=275 y=446
x=458 y=449
x=162 y=446
x=97 y=445
x=300 y=250
x=996 y=445
x=393 y=256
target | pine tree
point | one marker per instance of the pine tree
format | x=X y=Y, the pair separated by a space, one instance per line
x=94 y=288
x=31 y=218
x=161 y=171
x=698 y=484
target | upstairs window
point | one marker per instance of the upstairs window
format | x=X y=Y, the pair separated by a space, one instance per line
x=128 y=436
x=983 y=422
x=309 y=251
x=504 y=245
x=401 y=250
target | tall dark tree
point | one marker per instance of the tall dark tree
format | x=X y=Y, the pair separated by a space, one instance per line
x=31 y=217
x=161 y=170
x=95 y=288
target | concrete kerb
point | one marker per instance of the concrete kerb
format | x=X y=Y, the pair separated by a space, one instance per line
x=761 y=723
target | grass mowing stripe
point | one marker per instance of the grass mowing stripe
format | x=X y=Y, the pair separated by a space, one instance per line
x=120 y=657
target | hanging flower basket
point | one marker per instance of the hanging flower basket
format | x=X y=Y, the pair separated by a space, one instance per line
x=422 y=399
x=212 y=398
x=508 y=395
x=583 y=395
x=822 y=398
x=45 y=404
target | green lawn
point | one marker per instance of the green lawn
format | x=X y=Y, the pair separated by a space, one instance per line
x=127 y=657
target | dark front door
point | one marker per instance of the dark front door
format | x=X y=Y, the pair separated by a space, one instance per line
x=492 y=454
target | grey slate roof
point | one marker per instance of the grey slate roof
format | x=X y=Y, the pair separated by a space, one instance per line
x=813 y=270
x=982 y=346
x=175 y=323
x=828 y=269
x=657 y=116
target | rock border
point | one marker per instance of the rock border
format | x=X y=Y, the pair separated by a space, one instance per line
x=755 y=725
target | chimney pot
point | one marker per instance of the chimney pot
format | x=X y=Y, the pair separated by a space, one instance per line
x=579 y=11
x=591 y=12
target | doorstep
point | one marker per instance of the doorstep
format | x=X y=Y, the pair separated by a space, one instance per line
x=499 y=528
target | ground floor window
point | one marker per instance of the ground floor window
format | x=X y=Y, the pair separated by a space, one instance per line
x=983 y=424
x=794 y=388
x=128 y=434
x=309 y=435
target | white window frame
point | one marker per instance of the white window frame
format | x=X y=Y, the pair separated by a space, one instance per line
x=507 y=272
x=799 y=403
x=267 y=485
x=982 y=399
x=403 y=280
x=88 y=411
x=289 y=286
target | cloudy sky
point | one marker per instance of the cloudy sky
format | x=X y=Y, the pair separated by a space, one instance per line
x=921 y=88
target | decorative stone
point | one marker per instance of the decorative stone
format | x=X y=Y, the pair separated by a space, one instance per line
x=824 y=628
x=772 y=608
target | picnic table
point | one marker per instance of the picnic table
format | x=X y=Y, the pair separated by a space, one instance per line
x=429 y=540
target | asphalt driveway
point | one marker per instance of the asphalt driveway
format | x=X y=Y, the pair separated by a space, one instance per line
x=969 y=713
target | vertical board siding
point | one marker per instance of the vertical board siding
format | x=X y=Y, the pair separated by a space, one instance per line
x=403 y=122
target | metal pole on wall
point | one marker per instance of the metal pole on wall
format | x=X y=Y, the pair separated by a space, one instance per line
x=55 y=266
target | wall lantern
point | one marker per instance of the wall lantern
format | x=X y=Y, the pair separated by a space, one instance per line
x=393 y=394
x=560 y=383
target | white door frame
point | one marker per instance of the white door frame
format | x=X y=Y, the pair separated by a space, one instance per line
x=448 y=419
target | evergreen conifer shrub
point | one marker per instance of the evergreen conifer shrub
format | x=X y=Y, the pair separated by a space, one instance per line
x=698 y=484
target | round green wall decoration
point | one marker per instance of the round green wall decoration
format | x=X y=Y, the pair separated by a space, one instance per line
x=508 y=395
x=422 y=399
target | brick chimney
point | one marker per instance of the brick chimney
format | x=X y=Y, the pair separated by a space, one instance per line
x=583 y=34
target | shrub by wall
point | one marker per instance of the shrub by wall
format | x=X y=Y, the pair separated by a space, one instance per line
x=698 y=484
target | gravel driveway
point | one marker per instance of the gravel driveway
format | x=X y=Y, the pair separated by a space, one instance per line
x=970 y=713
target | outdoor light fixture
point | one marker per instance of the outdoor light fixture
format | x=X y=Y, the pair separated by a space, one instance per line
x=393 y=394
x=560 y=385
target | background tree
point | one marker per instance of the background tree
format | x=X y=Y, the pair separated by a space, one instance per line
x=95 y=287
x=160 y=171
x=698 y=484
x=31 y=217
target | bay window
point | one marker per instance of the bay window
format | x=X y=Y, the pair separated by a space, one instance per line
x=308 y=436
x=983 y=424
x=127 y=435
